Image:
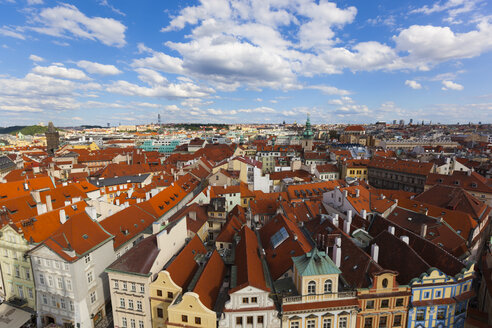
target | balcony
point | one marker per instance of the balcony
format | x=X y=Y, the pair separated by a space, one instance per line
x=317 y=297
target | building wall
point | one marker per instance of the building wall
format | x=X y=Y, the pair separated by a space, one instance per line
x=16 y=268
x=190 y=312
x=162 y=292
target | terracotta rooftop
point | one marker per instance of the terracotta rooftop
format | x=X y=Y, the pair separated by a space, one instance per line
x=419 y=168
x=139 y=259
x=210 y=281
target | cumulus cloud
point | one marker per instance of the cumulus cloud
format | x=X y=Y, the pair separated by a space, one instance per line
x=36 y=58
x=413 y=84
x=60 y=72
x=329 y=90
x=97 y=68
x=66 y=20
x=450 y=85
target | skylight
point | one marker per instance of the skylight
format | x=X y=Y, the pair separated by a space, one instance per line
x=279 y=237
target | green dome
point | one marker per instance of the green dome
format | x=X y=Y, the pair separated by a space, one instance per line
x=308 y=133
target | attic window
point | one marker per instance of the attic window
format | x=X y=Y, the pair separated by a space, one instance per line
x=458 y=232
x=355 y=267
x=346 y=258
x=474 y=185
x=457 y=182
x=439 y=180
x=85 y=236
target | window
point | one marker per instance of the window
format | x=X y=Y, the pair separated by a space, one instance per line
x=87 y=258
x=140 y=324
x=123 y=322
x=245 y=300
x=122 y=303
x=420 y=315
x=134 y=287
x=47 y=262
x=384 y=304
x=63 y=304
x=27 y=273
x=438 y=293
x=65 y=266
x=198 y=320
x=56 y=264
x=311 y=323
x=139 y=305
x=239 y=321
x=465 y=288
x=399 y=302
x=90 y=277
x=294 y=324
x=142 y=288
x=383 y=321
x=68 y=283
x=21 y=291
x=93 y=297
x=159 y=292
x=60 y=282
x=326 y=323
x=397 y=321
x=342 y=323
x=53 y=301
x=385 y=283
x=115 y=284
x=370 y=305
x=17 y=271
x=45 y=299
x=132 y=323
x=259 y=320
x=426 y=295
x=30 y=292
x=184 y=318
x=160 y=313
x=328 y=286
x=249 y=320
x=210 y=224
x=124 y=285
x=169 y=294
x=71 y=306
x=311 y=288
x=368 y=323
x=130 y=304
x=254 y=300
x=441 y=313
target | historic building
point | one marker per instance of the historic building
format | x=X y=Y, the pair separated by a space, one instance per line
x=52 y=139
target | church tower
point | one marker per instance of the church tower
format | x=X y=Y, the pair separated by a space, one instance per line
x=307 y=136
x=52 y=139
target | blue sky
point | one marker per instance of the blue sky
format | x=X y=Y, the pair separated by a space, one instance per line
x=251 y=61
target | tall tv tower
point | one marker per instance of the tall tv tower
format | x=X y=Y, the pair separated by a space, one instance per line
x=159 y=119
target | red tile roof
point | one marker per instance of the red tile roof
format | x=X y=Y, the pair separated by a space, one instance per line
x=208 y=285
x=419 y=168
x=183 y=267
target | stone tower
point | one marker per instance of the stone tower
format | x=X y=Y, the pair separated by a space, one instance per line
x=52 y=139
x=307 y=136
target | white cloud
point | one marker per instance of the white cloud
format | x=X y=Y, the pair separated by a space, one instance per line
x=97 y=68
x=67 y=21
x=34 y=2
x=170 y=91
x=452 y=7
x=60 y=72
x=11 y=32
x=413 y=84
x=450 y=85
x=36 y=58
x=329 y=90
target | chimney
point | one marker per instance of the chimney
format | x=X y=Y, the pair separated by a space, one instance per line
x=36 y=196
x=49 y=204
x=337 y=251
x=63 y=216
x=363 y=213
x=423 y=230
x=405 y=239
x=469 y=172
x=345 y=193
x=375 y=252
x=41 y=208
x=391 y=230
x=26 y=186
x=382 y=196
x=357 y=193
x=192 y=215
x=334 y=220
x=156 y=227
x=118 y=201
x=349 y=216
x=147 y=195
x=67 y=202
x=346 y=227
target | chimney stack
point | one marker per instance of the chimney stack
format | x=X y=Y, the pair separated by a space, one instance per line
x=375 y=252
x=346 y=227
x=156 y=227
x=423 y=230
x=391 y=230
x=405 y=239
x=357 y=193
x=349 y=216
x=63 y=216
x=41 y=208
x=193 y=215
x=49 y=204
x=363 y=213
x=337 y=251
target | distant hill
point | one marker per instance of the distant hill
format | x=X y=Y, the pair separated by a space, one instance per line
x=25 y=130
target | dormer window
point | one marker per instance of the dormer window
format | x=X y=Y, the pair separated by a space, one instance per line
x=311 y=288
x=328 y=286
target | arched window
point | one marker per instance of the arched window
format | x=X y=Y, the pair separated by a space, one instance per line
x=311 y=288
x=328 y=286
x=385 y=283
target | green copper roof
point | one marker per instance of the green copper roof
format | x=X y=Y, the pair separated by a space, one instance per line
x=308 y=133
x=315 y=263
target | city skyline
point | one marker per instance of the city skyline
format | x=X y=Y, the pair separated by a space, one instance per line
x=224 y=61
